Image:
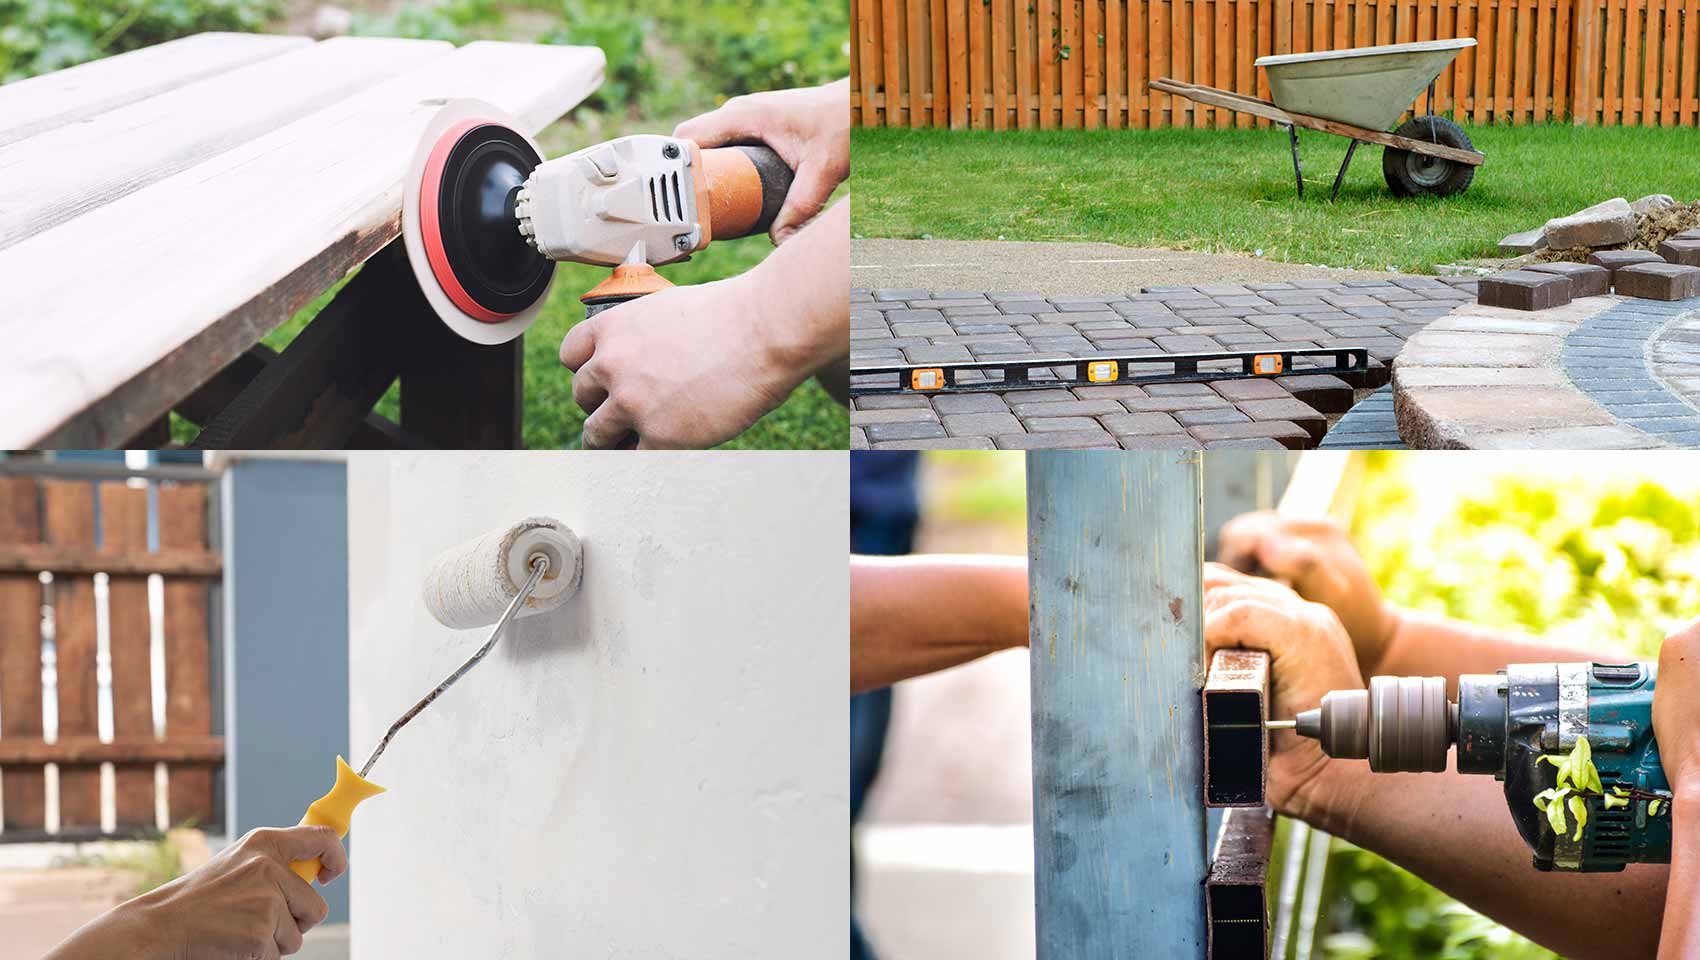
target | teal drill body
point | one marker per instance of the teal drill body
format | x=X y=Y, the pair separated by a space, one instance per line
x=1507 y=721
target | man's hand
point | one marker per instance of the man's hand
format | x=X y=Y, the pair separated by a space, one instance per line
x=1318 y=560
x=809 y=127
x=243 y=904
x=1309 y=655
x=690 y=367
x=1676 y=710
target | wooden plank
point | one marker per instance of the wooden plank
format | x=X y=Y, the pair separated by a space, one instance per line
x=1650 y=66
x=1245 y=52
x=188 y=685
x=1161 y=107
x=1115 y=64
x=1505 y=61
x=1265 y=41
x=1632 y=63
x=1543 y=78
x=318 y=392
x=1523 y=69
x=70 y=559
x=1482 y=87
x=917 y=50
x=957 y=33
x=124 y=530
x=978 y=65
x=24 y=788
x=456 y=394
x=1561 y=63
x=1446 y=87
x=1180 y=57
x=1138 y=63
x=940 y=34
x=856 y=75
x=1584 y=63
x=1614 y=62
x=1425 y=31
x=1273 y=113
x=1203 y=55
x=1363 y=24
x=69 y=509
x=1025 y=47
x=125 y=751
x=1091 y=75
x=1048 y=42
x=1224 y=56
x=315 y=198
x=35 y=105
x=1068 y=52
x=867 y=46
x=891 y=44
x=1386 y=19
x=1669 y=103
x=1000 y=63
x=64 y=173
x=1690 y=68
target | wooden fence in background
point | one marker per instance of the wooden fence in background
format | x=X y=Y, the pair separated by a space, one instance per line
x=998 y=64
x=50 y=526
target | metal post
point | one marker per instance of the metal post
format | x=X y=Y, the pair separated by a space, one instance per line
x=1115 y=566
x=285 y=655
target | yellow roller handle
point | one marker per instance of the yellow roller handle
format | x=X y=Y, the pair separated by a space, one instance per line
x=334 y=810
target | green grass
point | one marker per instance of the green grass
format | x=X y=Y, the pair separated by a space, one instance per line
x=1232 y=190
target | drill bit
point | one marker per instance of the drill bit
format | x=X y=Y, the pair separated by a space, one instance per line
x=1279 y=724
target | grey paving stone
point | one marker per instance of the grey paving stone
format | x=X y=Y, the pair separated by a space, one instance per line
x=1059 y=424
x=891 y=401
x=1026 y=306
x=1067 y=440
x=1175 y=404
x=1159 y=441
x=932 y=353
x=937 y=443
x=1193 y=418
x=1248 y=443
x=1237 y=390
x=1188 y=344
x=980 y=424
x=1141 y=424
x=914 y=430
x=861 y=418
x=1291 y=435
x=936 y=328
x=1179 y=390
x=1067 y=408
x=953 y=403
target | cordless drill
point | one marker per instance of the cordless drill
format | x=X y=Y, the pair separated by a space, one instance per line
x=1503 y=724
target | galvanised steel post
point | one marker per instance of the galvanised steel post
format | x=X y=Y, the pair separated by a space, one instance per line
x=1115 y=552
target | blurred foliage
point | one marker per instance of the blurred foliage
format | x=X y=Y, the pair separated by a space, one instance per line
x=1606 y=561
x=971 y=486
x=153 y=863
x=40 y=36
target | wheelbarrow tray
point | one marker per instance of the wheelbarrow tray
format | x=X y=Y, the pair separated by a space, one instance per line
x=1240 y=103
x=1362 y=86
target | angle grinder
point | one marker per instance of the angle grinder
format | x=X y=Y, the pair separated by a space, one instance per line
x=485 y=217
x=1503 y=724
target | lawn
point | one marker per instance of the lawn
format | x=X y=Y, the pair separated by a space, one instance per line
x=1232 y=190
x=668 y=60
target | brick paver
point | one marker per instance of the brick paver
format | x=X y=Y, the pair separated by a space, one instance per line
x=920 y=326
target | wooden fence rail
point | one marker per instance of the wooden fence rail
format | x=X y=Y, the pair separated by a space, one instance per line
x=997 y=64
x=50 y=526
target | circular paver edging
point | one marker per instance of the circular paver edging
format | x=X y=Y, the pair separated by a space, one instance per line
x=1598 y=373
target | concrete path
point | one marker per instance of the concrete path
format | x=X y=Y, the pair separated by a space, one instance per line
x=1061 y=268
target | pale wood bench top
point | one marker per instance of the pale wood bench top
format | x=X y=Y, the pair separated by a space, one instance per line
x=162 y=210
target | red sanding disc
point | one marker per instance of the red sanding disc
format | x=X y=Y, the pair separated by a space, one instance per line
x=430 y=187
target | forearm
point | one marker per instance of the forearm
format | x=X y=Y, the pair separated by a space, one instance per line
x=117 y=932
x=1427 y=645
x=805 y=289
x=1680 y=939
x=1456 y=832
x=913 y=615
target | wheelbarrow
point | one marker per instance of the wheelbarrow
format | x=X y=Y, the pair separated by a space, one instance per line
x=1359 y=93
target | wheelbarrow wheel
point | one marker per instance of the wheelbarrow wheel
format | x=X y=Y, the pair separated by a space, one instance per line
x=1414 y=174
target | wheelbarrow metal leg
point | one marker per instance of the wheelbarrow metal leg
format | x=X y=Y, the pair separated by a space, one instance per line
x=1340 y=177
x=1298 y=168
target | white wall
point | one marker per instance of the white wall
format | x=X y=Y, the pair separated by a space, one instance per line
x=656 y=770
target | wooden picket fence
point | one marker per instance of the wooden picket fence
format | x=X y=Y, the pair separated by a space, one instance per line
x=50 y=525
x=998 y=64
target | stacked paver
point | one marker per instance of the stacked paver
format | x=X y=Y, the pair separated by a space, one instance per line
x=1673 y=273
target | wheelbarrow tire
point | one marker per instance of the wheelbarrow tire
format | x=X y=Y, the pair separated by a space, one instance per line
x=1413 y=174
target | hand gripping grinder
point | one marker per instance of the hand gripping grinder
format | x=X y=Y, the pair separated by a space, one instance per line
x=485 y=217
x=1503 y=724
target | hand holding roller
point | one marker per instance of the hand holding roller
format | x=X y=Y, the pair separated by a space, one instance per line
x=529 y=568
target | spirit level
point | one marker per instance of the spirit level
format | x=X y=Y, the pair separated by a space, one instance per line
x=1017 y=373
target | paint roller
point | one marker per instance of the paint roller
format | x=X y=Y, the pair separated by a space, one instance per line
x=529 y=568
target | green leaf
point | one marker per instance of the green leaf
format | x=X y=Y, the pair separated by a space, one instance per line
x=1613 y=802
x=1579 y=809
x=1542 y=798
x=1555 y=817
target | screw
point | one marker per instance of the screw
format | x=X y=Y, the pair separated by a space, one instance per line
x=682 y=242
x=670 y=151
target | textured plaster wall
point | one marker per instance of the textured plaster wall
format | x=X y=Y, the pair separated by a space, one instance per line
x=655 y=770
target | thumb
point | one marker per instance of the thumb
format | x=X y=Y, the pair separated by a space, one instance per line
x=810 y=189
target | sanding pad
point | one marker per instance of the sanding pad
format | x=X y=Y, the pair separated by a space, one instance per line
x=463 y=242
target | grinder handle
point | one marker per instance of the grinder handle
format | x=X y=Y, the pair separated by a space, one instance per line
x=747 y=184
x=334 y=810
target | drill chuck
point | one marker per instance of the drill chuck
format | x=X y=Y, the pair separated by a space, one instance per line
x=1400 y=724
